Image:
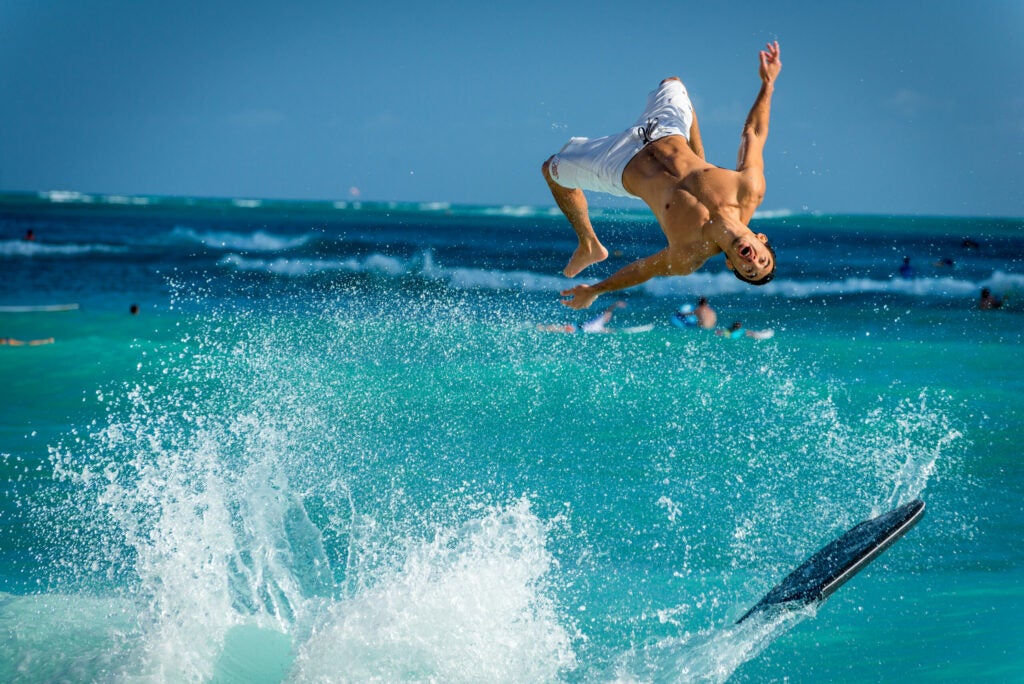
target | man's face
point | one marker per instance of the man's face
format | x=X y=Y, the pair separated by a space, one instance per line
x=750 y=257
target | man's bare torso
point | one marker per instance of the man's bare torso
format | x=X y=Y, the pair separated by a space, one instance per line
x=686 y=193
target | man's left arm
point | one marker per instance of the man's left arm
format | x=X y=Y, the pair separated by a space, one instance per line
x=755 y=130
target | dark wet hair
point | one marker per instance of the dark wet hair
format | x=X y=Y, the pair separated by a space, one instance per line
x=764 y=279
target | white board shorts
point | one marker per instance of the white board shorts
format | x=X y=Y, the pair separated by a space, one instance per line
x=597 y=163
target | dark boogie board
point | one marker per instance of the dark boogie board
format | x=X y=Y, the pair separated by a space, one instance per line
x=824 y=572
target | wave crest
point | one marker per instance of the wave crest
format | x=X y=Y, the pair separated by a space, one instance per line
x=25 y=248
x=258 y=241
x=425 y=265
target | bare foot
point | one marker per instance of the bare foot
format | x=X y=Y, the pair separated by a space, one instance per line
x=584 y=256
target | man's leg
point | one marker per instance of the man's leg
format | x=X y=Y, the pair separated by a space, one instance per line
x=573 y=204
x=693 y=136
x=696 y=144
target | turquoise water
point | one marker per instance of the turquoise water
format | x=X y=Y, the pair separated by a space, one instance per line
x=334 y=446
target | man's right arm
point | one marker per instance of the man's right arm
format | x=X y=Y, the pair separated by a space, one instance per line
x=640 y=271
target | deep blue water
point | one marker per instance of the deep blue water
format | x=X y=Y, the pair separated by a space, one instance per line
x=333 y=445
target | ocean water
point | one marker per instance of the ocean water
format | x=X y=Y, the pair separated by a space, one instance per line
x=333 y=445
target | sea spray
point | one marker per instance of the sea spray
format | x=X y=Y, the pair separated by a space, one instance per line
x=187 y=497
x=470 y=604
x=923 y=435
x=280 y=477
x=846 y=468
x=221 y=507
x=209 y=530
x=708 y=656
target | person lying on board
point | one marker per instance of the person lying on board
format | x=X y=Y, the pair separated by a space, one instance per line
x=703 y=209
x=736 y=331
x=20 y=343
x=598 y=324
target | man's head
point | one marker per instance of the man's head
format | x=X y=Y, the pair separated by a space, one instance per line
x=752 y=261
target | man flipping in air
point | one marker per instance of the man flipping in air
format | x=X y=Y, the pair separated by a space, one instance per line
x=703 y=209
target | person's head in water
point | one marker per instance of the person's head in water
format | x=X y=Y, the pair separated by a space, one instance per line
x=752 y=261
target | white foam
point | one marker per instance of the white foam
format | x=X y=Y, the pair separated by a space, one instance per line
x=376 y=263
x=258 y=241
x=214 y=547
x=31 y=308
x=32 y=248
x=711 y=655
x=62 y=196
x=527 y=281
x=724 y=282
x=425 y=265
x=773 y=213
x=64 y=637
x=133 y=200
x=227 y=563
x=469 y=605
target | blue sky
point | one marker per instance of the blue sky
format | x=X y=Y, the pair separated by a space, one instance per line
x=882 y=107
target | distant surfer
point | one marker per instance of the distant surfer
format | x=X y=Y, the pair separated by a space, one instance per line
x=20 y=343
x=702 y=316
x=685 y=317
x=706 y=316
x=736 y=331
x=598 y=324
x=988 y=301
x=906 y=270
x=703 y=209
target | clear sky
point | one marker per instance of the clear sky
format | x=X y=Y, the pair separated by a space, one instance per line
x=882 y=106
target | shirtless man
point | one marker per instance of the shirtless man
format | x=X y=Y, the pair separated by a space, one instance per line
x=703 y=209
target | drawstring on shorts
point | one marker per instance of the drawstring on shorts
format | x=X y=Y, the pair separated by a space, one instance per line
x=645 y=132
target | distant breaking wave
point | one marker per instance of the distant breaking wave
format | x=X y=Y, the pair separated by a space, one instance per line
x=25 y=248
x=259 y=241
x=422 y=266
x=725 y=283
x=425 y=266
x=284 y=266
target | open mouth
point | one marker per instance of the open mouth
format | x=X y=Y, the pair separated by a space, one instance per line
x=747 y=252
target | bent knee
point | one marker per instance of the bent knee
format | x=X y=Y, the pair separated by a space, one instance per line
x=545 y=168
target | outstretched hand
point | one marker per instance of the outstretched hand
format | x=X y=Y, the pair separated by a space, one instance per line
x=579 y=297
x=771 y=62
